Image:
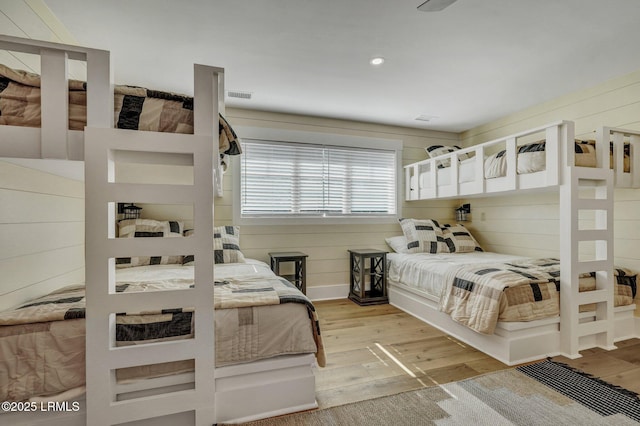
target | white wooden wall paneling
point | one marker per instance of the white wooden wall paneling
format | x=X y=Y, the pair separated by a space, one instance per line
x=43 y=248
x=26 y=238
x=33 y=19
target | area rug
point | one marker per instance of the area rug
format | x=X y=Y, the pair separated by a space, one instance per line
x=545 y=393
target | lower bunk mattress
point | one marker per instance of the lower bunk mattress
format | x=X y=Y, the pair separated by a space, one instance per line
x=481 y=288
x=258 y=316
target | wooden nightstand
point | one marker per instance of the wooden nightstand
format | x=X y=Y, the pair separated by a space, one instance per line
x=299 y=259
x=376 y=274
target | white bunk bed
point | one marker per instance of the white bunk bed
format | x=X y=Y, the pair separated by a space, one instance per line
x=573 y=331
x=209 y=395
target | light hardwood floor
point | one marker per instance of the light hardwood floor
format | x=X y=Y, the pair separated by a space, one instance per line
x=380 y=350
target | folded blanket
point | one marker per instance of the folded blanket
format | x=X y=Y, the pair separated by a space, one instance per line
x=135 y=108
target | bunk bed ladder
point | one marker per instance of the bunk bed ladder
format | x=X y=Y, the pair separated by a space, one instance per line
x=586 y=244
x=103 y=147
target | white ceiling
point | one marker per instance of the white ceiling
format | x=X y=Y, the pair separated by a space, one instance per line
x=474 y=62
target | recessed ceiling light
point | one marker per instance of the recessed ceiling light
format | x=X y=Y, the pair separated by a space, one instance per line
x=377 y=61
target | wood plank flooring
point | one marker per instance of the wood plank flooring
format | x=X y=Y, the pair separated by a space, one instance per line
x=379 y=350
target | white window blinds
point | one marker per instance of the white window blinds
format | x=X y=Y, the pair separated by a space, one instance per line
x=306 y=180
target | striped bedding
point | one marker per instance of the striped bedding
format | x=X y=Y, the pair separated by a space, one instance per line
x=135 y=108
x=258 y=315
x=480 y=289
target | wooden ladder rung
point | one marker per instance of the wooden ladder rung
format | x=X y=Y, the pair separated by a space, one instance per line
x=593 y=296
x=593 y=173
x=593 y=235
x=593 y=204
x=160 y=405
x=594 y=266
x=593 y=327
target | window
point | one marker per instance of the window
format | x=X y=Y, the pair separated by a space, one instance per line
x=321 y=181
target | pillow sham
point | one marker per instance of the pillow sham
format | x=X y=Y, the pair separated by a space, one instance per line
x=585 y=153
x=436 y=150
x=532 y=158
x=625 y=277
x=423 y=236
x=459 y=240
x=148 y=228
x=398 y=244
x=130 y=228
x=626 y=155
x=226 y=245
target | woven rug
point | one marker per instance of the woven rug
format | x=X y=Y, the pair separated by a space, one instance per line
x=545 y=393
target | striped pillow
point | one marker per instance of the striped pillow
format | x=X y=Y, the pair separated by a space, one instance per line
x=585 y=153
x=423 y=236
x=226 y=245
x=459 y=240
x=148 y=228
x=436 y=150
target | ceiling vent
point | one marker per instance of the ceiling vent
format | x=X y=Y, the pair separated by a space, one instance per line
x=435 y=5
x=238 y=94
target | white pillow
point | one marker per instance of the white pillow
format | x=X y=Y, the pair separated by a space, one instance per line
x=398 y=244
x=531 y=158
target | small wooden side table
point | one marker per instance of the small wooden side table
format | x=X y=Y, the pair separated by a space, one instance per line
x=299 y=259
x=374 y=277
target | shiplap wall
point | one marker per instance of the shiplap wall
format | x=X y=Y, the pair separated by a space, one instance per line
x=327 y=245
x=528 y=225
x=41 y=233
x=33 y=19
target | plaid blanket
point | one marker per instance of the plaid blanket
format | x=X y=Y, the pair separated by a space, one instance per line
x=69 y=303
x=480 y=295
x=135 y=108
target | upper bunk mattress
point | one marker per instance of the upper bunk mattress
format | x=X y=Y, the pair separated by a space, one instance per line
x=135 y=108
x=42 y=352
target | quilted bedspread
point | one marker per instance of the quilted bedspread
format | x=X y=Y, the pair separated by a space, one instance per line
x=135 y=108
x=69 y=303
x=258 y=315
x=480 y=295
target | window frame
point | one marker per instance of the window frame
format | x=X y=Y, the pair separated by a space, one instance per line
x=316 y=138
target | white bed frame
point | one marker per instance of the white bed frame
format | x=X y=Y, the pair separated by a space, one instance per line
x=572 y=331
x=228 y=394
